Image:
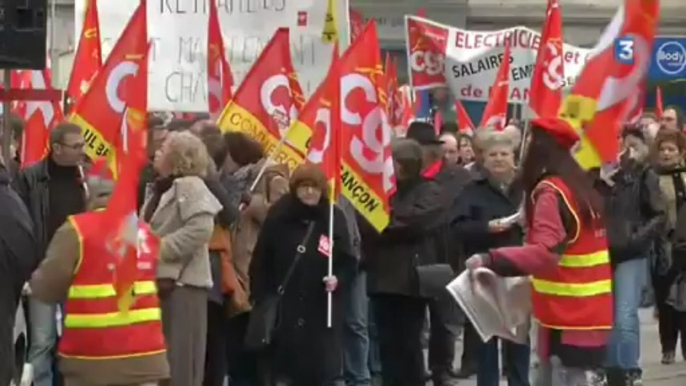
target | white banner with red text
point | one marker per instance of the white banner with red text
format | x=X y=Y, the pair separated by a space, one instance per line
x=178 y=32
x=467 y=61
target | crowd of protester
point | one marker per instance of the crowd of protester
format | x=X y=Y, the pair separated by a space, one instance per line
x=232 y=223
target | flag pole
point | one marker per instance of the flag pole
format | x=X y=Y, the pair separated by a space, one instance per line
x=329 y=294
x=278 y=147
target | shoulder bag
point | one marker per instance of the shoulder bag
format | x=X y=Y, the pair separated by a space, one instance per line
x=265 y=313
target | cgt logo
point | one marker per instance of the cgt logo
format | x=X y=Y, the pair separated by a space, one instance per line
x=671 y=58
x=427 y=62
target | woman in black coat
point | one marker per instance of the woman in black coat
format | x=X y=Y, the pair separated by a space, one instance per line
x=305 y=351
x=492 y=195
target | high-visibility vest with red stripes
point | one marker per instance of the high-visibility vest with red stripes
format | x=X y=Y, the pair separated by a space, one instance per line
x=94 y=328
x=577 y=295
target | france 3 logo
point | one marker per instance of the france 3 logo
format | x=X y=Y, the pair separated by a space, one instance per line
x=624 y=50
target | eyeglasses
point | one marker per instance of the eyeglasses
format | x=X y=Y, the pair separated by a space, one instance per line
x=75 y=146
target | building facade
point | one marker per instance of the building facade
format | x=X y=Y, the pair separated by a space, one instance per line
x=584 y=21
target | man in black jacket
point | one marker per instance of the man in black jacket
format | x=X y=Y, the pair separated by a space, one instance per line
x=443 y=311
x=18 y=258
x=636 y=218
x=52 y=190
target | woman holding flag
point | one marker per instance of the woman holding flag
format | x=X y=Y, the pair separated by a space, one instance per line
x=294 y=238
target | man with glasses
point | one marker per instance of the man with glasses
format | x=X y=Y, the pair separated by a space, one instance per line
x=52 y=190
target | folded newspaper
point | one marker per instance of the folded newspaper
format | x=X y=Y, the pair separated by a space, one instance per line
x=495 y=305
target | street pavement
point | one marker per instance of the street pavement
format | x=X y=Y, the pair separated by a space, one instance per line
x=655 y=374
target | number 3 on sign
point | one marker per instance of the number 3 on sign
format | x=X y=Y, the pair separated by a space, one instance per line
x=624 y=50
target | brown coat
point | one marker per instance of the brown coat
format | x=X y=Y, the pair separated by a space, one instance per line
x=50 y=283
x=267 y=191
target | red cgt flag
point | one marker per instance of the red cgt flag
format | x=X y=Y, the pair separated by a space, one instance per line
x=326 y=141
x=356 y=23
x=495 y=113
x=39 y=116
x=548 y=77
x=88 y=58
x=121 y=218
x=659 y=107
x=464 y=122
x=100 y=111
x=219 y=78
x=394 y=96
x=608 y=88
x=268 y=101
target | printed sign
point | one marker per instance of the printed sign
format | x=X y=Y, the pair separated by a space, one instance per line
x=178 y=33
x=468 y=61
x=669 y=59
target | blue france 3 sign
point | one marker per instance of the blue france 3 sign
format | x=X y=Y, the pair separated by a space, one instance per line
x=669 y=59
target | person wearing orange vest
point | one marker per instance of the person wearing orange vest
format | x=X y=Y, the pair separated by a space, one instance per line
x=100 y=345
x=566 y=255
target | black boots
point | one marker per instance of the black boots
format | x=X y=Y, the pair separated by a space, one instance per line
x=621 y=377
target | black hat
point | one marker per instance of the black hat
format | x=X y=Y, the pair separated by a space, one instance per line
x=423 y=133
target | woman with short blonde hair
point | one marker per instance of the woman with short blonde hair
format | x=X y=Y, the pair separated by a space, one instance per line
x=490 y=197
x=181 y=212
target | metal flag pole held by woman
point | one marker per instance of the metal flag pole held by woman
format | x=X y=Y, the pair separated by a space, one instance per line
x=329 y=294
x=270 y=156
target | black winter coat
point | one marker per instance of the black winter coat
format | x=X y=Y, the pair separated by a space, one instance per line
x=392 y=257
x=18 y=258
x=32 y=185
x=635 y=213
x=452 y=179
x=479 y=203
x=304 y=348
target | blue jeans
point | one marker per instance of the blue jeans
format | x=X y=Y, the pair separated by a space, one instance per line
x=517 y=357
x=356 y=334
x=624 y=347
x=43 y=336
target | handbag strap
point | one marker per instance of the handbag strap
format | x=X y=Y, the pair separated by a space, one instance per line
x=300 y=251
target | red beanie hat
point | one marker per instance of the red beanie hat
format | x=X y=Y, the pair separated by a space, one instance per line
x=563 y=133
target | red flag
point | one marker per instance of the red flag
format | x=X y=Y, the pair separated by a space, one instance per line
x=548 y=77
x=88 y=58
x=421 y=12
x=121 y=209
x=410 y=106
x=219 y=78
x=608 y=89
x=356 y=23
x=268 y=101
x=464 y=122
x=326 y=142
x=659 y=107
x=367 y=165
x=495 y=113
x=100 y=111
x=393 y=96
x=40 y=118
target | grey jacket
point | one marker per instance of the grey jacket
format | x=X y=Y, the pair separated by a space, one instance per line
x=184 y=219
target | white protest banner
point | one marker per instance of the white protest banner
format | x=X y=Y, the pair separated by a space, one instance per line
x=178 y=31
x=467 y=61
